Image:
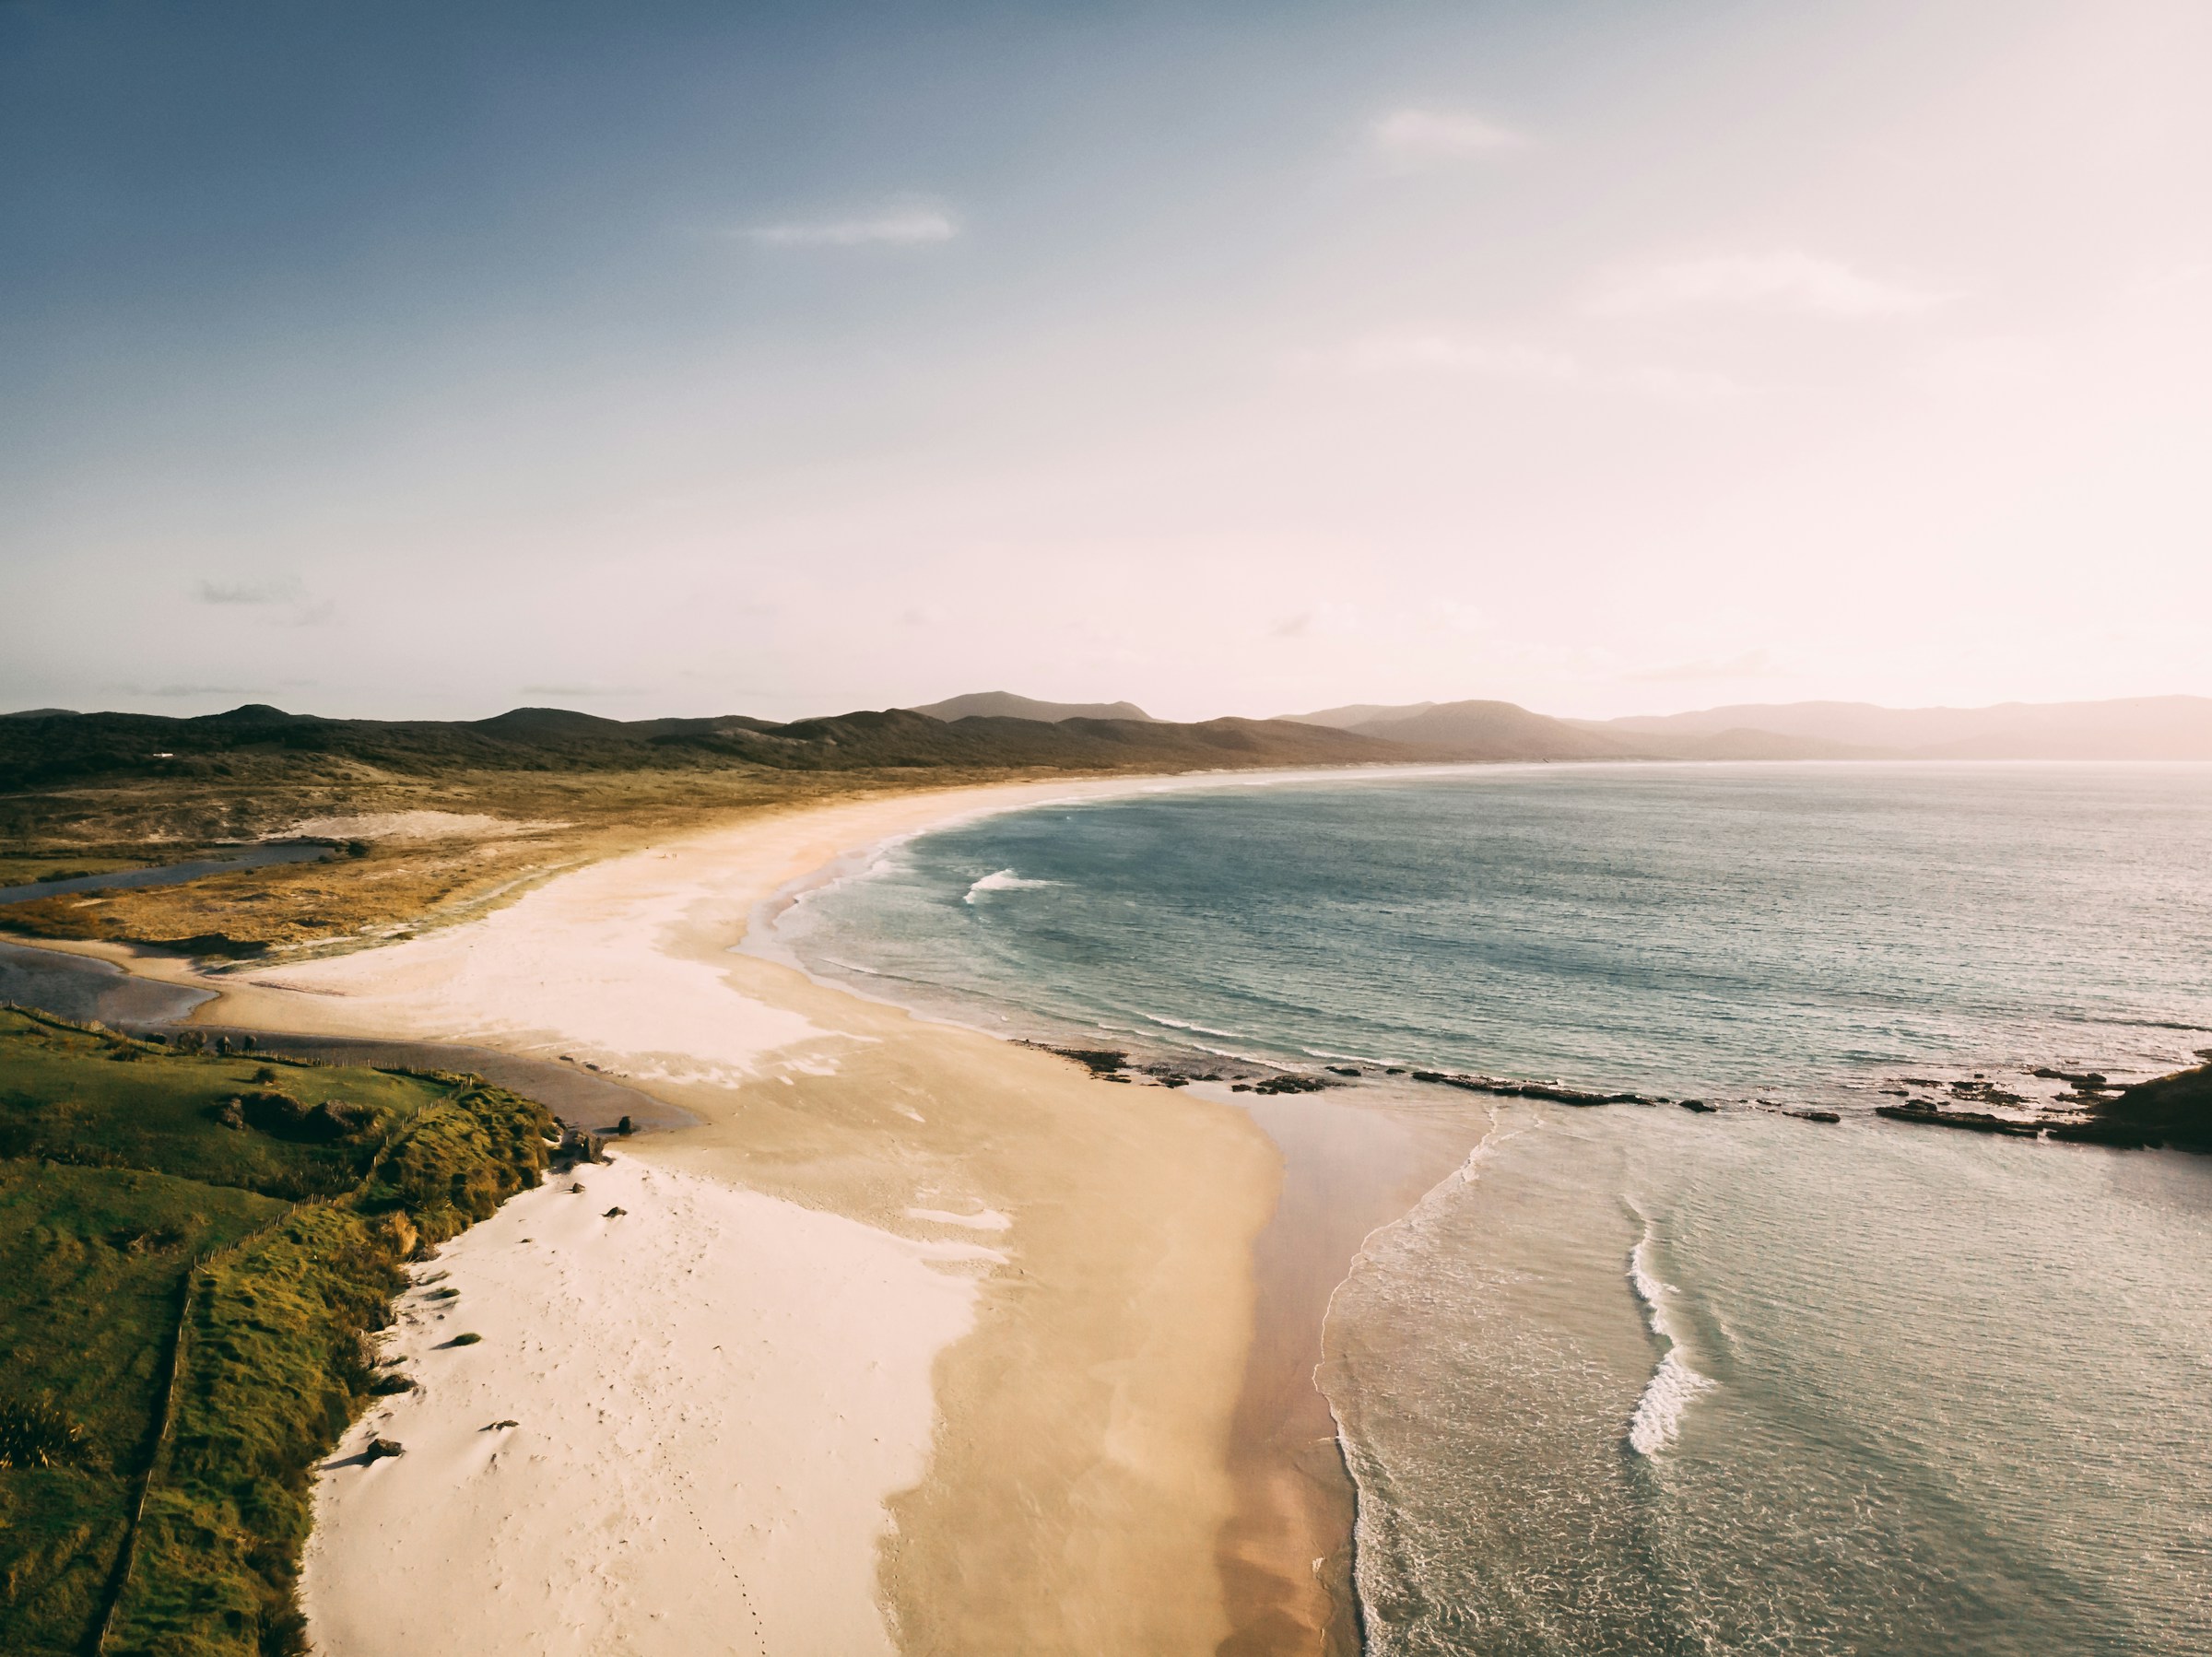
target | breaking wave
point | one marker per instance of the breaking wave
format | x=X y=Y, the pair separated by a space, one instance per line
x=1006 y=880
x=1666 y=1396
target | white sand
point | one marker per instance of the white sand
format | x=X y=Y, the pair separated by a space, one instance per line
x=578 y=967
x=652 y=1355
x=725 y=1394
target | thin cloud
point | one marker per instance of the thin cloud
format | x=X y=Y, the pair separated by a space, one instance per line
x=1789 y=280
x=1415 y=136
x=1751 y=664
x=1526 y=362
x=282 y=591
x=1448 y=354
x=900 y=225
x=583 y=690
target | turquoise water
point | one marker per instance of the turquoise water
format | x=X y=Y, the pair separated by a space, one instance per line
x=1637 y=1380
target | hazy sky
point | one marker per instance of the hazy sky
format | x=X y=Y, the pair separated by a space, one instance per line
x=1608 y=357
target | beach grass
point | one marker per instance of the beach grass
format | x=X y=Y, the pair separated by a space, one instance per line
x=394 y=887
x=183 y=1309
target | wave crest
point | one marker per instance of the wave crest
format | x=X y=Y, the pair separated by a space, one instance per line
x=1006 y=880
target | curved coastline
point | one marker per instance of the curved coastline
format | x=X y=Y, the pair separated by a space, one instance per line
x=1069 y=1483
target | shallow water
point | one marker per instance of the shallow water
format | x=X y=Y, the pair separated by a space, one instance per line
x=1956 y=1398
x=1645 y=1381
x=90 y=990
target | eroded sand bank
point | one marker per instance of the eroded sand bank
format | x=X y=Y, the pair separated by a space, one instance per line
x=941 y=1435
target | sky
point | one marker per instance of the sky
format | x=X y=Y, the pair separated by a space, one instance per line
x=423 y=360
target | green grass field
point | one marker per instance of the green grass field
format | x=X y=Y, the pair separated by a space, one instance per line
x=237 y=1221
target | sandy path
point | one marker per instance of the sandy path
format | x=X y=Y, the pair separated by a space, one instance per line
x=954 y=1437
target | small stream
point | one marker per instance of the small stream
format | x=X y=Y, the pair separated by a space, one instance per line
x=174 y=874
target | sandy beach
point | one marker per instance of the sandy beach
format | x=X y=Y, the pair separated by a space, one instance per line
x=918 y=1340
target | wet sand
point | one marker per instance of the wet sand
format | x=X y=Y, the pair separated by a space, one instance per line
x=1351 y=1163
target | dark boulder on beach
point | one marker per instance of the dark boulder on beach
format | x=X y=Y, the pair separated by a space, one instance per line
x=576 y=1146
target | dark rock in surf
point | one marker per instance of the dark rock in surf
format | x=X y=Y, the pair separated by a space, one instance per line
x=1553 y=1092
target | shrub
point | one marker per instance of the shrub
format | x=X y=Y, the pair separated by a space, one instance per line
x=38 y=1432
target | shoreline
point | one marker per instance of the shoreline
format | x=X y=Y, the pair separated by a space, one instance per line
x=1141 y=1476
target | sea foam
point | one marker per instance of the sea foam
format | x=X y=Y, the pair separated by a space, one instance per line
x=1006 y=880
x=1666 y=1396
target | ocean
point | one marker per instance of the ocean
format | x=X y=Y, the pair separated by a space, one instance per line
x=1640 y=1379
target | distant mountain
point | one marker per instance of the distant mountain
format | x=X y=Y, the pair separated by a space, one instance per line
x=1358 y=713
x=2166 y=727
x=37 y=713
x=1481 y=731
x=1005 y=704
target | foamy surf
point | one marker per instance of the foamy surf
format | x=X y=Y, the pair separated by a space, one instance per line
x=1006 y=880
x=1657 y=1421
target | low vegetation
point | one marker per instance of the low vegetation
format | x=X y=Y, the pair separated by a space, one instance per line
x=526 y=795
x=186 y=1282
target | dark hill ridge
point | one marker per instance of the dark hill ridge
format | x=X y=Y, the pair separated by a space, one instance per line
x=44 y=747
x=47 y=750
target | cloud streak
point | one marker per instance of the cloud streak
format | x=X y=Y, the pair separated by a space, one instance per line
x=1450 y=354
x=1785 y=280
x=1521 y=362
x=908 y=224
x=283 y=590
x=1414 y=137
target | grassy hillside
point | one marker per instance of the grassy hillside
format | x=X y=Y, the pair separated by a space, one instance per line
x=193 y=1249
x=43 y=751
